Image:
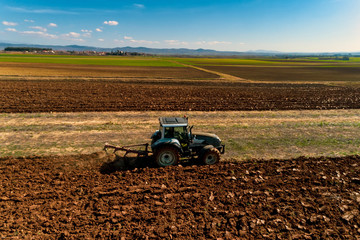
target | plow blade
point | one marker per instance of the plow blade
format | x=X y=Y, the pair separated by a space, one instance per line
x=129 y=149
x=136 y=158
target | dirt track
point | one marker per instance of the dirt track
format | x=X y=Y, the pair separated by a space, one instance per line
x=82 y=96
x=68 y=198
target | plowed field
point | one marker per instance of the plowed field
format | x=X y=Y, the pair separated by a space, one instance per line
x=69 y=198
x=292 y=73
x=80 y=96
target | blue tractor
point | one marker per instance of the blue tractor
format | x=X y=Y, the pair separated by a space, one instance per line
x=174 y=140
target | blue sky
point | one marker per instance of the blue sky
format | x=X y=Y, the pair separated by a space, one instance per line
x=242 y=25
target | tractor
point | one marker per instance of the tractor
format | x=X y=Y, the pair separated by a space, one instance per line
x=175 y=141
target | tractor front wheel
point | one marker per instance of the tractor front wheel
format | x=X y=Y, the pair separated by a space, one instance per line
x=167 y=156
x=211 y=156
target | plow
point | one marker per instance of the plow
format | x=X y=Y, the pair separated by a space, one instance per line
x=129 y=149
x=173 y=142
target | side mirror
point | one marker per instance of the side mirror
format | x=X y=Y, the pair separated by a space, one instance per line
x=190 y=132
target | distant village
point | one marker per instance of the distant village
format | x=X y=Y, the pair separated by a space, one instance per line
x=49 y=51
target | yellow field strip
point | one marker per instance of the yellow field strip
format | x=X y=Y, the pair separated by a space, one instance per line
x=247 y=135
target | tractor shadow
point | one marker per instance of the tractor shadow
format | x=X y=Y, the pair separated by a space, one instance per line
x=118 y=164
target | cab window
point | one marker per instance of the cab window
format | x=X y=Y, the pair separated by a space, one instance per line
x=179 y=133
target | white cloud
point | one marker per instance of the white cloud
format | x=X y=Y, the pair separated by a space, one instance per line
x=11 y=30
x=6 y=23
x=34 y=33
x=218 y=42
x=132 y=40
x=111 y=23
x=101 y=40
x=77 y=40
x=171 y=41
x=30 y=21
x=138 y=5
x=40 y=34
x=144 y=41
x=72 y=34
x=99 y=30
x=212 y=43
x=119 y=41
x=39 y=28
x=200 y=43
x=86 y=33
x=52 y=25
x=176 y=42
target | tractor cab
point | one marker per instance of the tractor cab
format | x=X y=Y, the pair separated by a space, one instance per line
x=173 y=128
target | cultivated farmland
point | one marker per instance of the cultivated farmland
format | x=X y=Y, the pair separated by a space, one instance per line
x=282 y=70
x=80 y=96
x=69 y=198
x=287 y=173
x=77 y=83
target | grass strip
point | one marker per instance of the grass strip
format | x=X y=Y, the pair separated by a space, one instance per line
x=247 y=135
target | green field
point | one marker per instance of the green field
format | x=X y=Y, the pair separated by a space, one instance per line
x=89 y=60
x=222 y=61
x=171 y=62
x=299 y=70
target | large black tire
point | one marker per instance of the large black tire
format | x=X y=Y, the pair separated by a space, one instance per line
x=167 y=156
x=210 y=157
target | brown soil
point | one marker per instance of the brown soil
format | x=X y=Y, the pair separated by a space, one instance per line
x=80 y=96
x=70 y=70
x=66 y=197
x=291 y=74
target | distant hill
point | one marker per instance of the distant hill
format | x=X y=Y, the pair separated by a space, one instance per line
x=155 y=51
x=170 y=51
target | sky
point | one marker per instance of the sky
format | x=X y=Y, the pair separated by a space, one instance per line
x=226 y=25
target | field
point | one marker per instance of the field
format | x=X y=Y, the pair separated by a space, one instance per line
x=69 y=198
x=70 y=84
x=247 y=135
x=285 y=70
x=306 y=70
x=291 y=168
x=89 y=60
x=25 y=71
x=79 y=96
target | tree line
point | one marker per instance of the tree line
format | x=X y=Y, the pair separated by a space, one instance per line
x=26 y=49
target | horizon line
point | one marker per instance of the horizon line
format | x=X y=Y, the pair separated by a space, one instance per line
x=192 y=49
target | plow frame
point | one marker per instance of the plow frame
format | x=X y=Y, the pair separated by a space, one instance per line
x=129 y=149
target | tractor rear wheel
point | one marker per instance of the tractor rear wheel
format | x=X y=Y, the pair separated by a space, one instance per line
x=211 y=156
x=167 y=156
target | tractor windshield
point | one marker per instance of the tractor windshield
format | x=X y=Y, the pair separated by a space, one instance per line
x=179 y=133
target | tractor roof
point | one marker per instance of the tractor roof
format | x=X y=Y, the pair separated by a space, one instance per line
x=173 y=121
